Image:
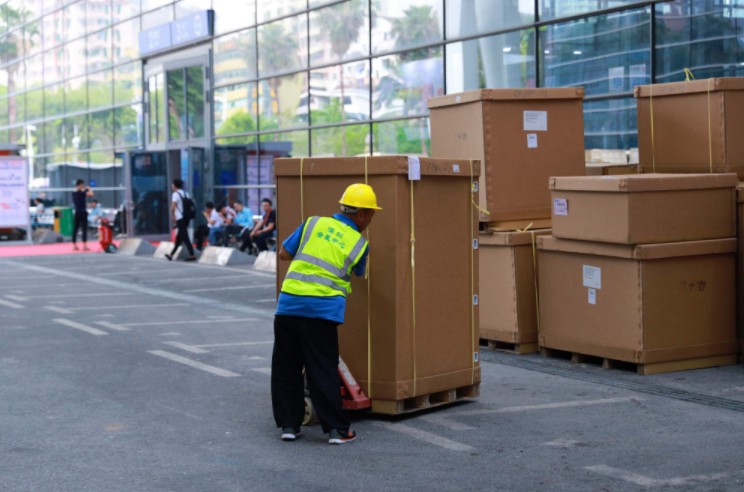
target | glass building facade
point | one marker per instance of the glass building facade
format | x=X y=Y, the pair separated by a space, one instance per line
x=93 y=92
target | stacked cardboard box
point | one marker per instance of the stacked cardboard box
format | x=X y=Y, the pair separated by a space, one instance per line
x=522 y=137
x=692 y=127
x=508 y=288
x=600 y=169
x=740 y=264
x=411 y=332
x=641 y=270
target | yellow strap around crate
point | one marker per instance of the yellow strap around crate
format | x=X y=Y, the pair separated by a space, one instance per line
x=710 y=133
x=651 y=110
x=302 y=191
x=471 y=351
x=413 y=285
x=368 y=277
x=537 y=284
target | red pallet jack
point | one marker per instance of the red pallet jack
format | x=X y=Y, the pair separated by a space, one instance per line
x=352 y=395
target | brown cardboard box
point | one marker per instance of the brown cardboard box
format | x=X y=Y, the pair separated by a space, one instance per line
x=697 y=126
x=523 y=136
x=664 y=306
x=644 y=208
x=423 y=323
x=508 y=288
x=597 y=169
x=740 y=264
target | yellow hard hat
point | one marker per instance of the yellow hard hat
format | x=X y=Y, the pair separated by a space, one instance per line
x=359 y=195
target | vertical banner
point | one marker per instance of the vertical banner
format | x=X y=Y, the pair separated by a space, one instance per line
x=14 y=200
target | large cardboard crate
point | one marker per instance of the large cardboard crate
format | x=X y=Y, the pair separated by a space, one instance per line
x=601 y=169
x=508 y=289
x=692 y=127
x=664 y=307
x=522 y=137
x=740 y=266
x=644 y=208
x=410 y=337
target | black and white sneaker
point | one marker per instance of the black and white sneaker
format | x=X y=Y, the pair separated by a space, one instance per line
x=290 y=433
x=337 y=436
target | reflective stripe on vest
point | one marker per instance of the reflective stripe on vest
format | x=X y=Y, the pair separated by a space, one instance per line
x=318 y=271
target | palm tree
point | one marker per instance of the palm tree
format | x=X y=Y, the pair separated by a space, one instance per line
x=341 y=25
x=276 y=49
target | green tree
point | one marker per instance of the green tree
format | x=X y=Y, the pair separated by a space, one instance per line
x=238 y=122
x=276 y=51
x=419 y=25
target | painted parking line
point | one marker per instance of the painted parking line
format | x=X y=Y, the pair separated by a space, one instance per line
x=79 y=326
x=130 y=306
x=58 y=309
x=16 y=298
x=199 y=349
x=263 y=370
x=644 y=481
x=28 y=297
x=9 y=304
x=195 y=364
x=425 y=436
x=236 y=287
x=112 y=326
x=187 y=322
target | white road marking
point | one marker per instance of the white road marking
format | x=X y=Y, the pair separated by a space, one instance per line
x=179 y=411
x=645 y=481
x=426 y=436
x=9 y=304
x=445 y=422
x=221 y=316
x=256 y=357
x=561 y=442
x=17 y=298
x=170 y=334
x=188 y=348
x=195 y=364
x=263 y=370
x=80 y=326
x=273 y=299
x=187 y=322
x=237 y=287
x=58 y=309
x=235 y=344
x=196 y=280
x=199 y=349
x=131 y=306
x=100 y=294
x=112 y=326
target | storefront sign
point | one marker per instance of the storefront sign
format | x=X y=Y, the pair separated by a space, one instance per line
x=180 y=32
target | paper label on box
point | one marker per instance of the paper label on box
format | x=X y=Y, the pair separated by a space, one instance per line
x=532 y=140
x=535 y=121
x=475 y=356
x=475 y=300
x=475 y=244
x=592 y=277
x=457 y=99
x=560 y=206
x=455 y=168
x=414 y=168
x=592 y=296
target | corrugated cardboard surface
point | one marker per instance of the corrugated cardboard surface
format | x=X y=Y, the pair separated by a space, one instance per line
x=642 y=209
x=740 y=263
x=697 y=126
x=508 y=308
x=436 y=346
x=593 y=169
x=489 y=126
x=646 y=311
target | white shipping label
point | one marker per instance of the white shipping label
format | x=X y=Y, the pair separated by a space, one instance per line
x=532 y=140
x=592 y=277
x=592 y=296
x=455 y=168
x=535 y=121
x=560 y=206
x=475 y=356
x=414 y=168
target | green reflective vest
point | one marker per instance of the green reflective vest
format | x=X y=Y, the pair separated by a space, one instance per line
x=322 y=265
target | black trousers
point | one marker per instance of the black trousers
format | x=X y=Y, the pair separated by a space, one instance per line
x=260 y=240
x=312 y=343
x=80 y=222
x=182 y=237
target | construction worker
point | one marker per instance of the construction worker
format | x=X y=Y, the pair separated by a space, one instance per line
x=324 y=252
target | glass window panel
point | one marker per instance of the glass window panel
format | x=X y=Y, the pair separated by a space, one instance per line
x=402 y=137
x=230 y=15
x=329 y=86
x=157 y=17
x=341 y=141
x=98 y=51
x=32 y=38
x=35 y=71
x=319 y=3
x=3 y=112
x=156 y=114
x=235 y=109
x=127 y=126
x=401 y=25
x=705 y=37
x=126 y=41
x=53 y=136
x=282 y=144
x=185 y=8
x=13 y=78
x=15 y=135
x=273 y=9
x=279 y=101
x=235 y=57
x=176 y=104
x=492 y=62
x=74 y=20
x=551 y=9
x=50 y=5
x=100 y=89
x=469 y=17
x=76 y=128
x=124 y=9
x=282 y=46
x=35 y=104
x=153 y=4
x=101 y=126
x=403 y=83
x=75 y=95
x=195 y=101
x=605 y=54
x=54 y=100
x=339 y=32
x=54 y=66
x=75 y=60
x=97 y=14
x=127 y=85
x=610 y=124
x=17 y=108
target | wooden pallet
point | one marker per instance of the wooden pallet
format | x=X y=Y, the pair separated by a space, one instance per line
x=644 y=369
x=418 y=403
x=515 y=348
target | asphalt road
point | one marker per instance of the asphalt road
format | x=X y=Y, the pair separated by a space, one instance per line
x=132 y=374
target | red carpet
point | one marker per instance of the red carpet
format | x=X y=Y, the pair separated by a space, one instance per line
x=48 y=249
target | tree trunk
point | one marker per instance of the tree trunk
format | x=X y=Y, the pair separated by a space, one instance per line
x=343 y=110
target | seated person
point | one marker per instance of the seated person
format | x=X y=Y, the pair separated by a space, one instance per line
x=95 y=213
x=215 y=221
x=241 y=225
x=228 y=213
x=265 y=228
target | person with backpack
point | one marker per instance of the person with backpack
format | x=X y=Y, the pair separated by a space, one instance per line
x=183 y=211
